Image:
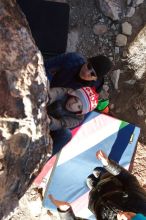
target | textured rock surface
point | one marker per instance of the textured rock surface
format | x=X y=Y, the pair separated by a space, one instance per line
x=137 y=2
x=130 y=12
x=112 y=8
x=126 y=28
x=24 y=133
x=115 y=78
x=121 y=40
x=137 y=54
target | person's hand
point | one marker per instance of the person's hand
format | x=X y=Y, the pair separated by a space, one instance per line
x=62 y=205
x=125 y=215
x=100 y=155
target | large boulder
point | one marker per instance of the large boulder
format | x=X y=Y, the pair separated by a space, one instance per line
x=137 y=54
x=24 y=124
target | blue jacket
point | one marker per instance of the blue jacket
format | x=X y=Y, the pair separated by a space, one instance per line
x=63 y=71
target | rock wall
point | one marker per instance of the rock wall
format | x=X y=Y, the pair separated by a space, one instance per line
x=24 y=133
x=137 y=54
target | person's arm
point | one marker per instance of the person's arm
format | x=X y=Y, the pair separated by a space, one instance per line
x=111 y=166
x=64 y=61
x=67 y=214
x=54 y=64
x=65 y=122
x=72 y=122
x=55 y=124
x=64 y=209
x=128 y=180
x=58 y=93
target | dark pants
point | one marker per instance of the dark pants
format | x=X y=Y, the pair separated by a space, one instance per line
x=60 y=138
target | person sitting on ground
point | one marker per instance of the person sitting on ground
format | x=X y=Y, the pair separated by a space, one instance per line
x=66 y=110
x=115 y=194
x=71 y=70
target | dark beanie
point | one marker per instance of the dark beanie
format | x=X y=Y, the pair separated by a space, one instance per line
x=101 y=64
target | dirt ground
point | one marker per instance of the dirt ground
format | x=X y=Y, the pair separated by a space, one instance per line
x=127 y=99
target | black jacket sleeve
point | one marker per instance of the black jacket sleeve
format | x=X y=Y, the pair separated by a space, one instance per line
x=68 y=215
x=125 y=177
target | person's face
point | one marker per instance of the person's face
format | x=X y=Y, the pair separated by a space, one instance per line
x=125 y=215
x=88 y=73
x=74 y=104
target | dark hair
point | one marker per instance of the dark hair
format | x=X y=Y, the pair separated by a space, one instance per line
x=107 y=213
x=101 y=64
x=110 y=204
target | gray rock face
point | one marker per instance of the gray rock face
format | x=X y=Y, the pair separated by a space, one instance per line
x=129 y=2
x=137 y=2
x=115 y=78
x=131 y=81
x=112 y=8
x=72 y=42
x=137 y=62
x=130 y=12
x=137 y=54
x=24 y=133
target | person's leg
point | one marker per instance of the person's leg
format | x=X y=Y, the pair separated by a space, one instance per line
x=60 y=139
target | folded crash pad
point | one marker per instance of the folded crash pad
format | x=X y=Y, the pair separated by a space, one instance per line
x=77 y=159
